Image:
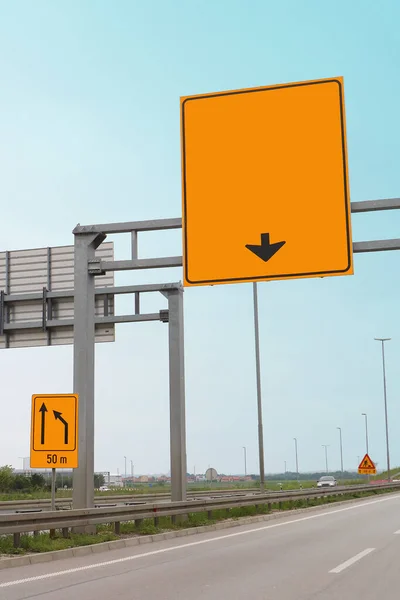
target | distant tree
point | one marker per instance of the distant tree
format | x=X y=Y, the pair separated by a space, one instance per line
x=98 y=480
x=6 y=478
x=64 y=481
x=21 y=483
x=38 y=481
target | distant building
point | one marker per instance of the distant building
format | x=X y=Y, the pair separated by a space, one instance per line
x=115 y=481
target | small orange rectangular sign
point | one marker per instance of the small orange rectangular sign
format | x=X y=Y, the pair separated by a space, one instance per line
x=265 y=184
x=366 y=466
x=54 y=431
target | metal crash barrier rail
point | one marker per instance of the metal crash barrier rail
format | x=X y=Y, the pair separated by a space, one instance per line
x=18 y=524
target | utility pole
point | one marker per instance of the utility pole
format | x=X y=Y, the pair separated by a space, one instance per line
x=297 y=458
x=341 y=448
x=383 y=340
x=326 y=446
x=366 y=431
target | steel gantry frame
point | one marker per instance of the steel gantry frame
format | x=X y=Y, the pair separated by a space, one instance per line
x=86 y=240
x=87 y=267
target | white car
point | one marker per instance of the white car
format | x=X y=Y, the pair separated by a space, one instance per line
x=327 y=481
x=104 y=488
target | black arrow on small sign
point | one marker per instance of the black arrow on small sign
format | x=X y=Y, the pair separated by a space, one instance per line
x=57 y=415
x=265 y=250
x=43 y=410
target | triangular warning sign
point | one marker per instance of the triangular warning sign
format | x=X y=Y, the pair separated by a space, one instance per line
x=366 y=465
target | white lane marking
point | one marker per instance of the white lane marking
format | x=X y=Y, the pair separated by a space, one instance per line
x=352 y=560
x=198 y=543
x=397 y=532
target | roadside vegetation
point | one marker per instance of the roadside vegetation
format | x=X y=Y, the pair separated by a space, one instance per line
x=37 y=487
x=394 y=474
x=16 y=486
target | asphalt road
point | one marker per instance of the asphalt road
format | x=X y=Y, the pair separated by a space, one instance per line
x=341 y=553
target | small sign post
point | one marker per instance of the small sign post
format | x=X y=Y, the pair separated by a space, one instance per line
x=54 y=434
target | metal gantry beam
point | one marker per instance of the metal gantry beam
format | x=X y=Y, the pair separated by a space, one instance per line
x=53 y=324
x=124 y=289
x=176 y=223
x=152 y=225
x=375 y=205
x=177 y=261
x=377 y=246
x=139 y=263
x=134 y=227
x=134 y=256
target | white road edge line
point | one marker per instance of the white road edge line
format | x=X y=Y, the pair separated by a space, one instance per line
x=352 y=560
x=397 y=532
x=198 y=543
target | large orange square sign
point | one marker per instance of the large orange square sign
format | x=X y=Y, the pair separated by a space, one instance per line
x=54 y=431
x=265 y=184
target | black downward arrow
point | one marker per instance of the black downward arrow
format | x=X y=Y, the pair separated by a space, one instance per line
x=43 y=410
x=265 y=250
x=57 y=415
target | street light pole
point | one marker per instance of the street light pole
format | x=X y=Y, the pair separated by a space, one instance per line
x=125 y=471
x=326 y=446
x=341 y=448
x=366 y=430
x=23 y=463
x=383 y=340
x=285 y=468
x=245 y=460
x=258 y=378
x=297 y=458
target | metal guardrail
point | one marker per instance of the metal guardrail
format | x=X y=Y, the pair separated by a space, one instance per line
x=119 y=498
x=43 y=521
x=66 y=503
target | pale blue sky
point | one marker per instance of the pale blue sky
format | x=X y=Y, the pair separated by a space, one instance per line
x=89 y=132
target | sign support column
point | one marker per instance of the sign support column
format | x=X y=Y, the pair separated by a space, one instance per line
x=84 y=342
x=177 y=395
x=259 y=397
x=53 y=489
